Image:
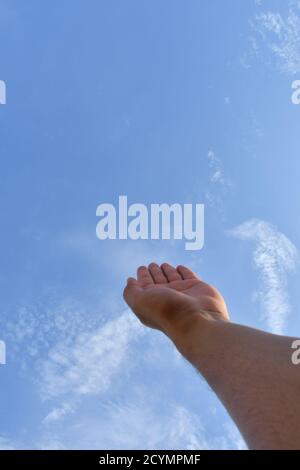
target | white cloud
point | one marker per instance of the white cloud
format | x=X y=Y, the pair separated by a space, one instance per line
x=274 y=256
x=234 y=439
x=143 y=422
x=154 y=428
x=185 y=429
x=89 y=364
x=219 y=183
x=281 y=35
x=58 y=413
x=76 y=371
x=217 y=172
x=32 y=330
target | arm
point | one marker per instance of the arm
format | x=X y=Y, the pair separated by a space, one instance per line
x=252 y=374
x=250 y=371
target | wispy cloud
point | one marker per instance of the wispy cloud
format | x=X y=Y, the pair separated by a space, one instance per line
x=143 y=423
x=32 y=330
x=219 y=184
x=74 y=352
x=217 y=175
x=89 y=365
x=274 y=256
x=58 y=413
x=84 y=380
x=233 y=438
x=151 y=427
x=280 y=33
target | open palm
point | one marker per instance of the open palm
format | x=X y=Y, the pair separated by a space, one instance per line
x=162 y=295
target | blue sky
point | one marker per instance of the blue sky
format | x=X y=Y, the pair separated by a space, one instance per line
x=164 y=102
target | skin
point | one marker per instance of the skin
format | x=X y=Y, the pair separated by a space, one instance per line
x=250 y=370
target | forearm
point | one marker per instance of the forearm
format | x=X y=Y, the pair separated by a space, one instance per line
x=251 y=371
x=252 y=374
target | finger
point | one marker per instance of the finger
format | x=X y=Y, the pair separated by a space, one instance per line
x=157 y=274
x=132 y=282
x=170 y=272
x=131 y=291
x=186 y=273
x=144 y=277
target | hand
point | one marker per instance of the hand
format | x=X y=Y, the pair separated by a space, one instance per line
x=170 y=299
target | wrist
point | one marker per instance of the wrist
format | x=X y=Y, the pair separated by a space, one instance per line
x=195 y=337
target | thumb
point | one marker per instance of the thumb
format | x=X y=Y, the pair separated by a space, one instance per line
x=131 y=291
